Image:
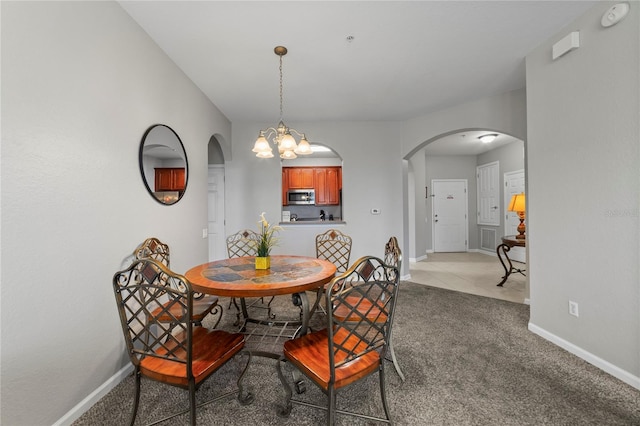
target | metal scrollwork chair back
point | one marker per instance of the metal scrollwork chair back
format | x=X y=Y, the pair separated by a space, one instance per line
x=353 y=346
x=335 y=247
x=241 y=244
x=176 y=352
x=203 y=305
x=393 y=257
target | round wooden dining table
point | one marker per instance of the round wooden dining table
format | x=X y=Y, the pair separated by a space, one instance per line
x=238 y=278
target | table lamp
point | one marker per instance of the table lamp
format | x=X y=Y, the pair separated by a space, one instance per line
x=518 y=205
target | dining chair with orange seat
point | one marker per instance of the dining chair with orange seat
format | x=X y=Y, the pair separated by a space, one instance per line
x=347 y=351
x=334 y=246
x=203 y=304
x=176 y=352
x=392 y=257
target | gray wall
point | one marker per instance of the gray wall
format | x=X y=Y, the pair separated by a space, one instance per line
x=81 y=82
x=583 y=199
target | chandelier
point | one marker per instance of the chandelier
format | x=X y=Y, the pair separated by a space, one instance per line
x=281 y=135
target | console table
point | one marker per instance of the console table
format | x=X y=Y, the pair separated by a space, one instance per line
x=503 y=253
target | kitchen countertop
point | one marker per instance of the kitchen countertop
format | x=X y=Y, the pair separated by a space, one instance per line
x=313 y=221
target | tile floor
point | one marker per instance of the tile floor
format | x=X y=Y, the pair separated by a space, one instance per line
x=475 y=273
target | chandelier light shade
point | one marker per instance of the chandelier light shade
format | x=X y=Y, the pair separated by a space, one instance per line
x=281 y=136
x=518 y=204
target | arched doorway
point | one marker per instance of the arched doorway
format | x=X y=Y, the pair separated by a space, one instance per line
x=457 y=155
x=216 y=233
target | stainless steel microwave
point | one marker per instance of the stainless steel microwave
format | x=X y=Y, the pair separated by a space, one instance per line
x=301 y=196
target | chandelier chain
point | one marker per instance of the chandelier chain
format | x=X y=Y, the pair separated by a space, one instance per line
x=281 y=88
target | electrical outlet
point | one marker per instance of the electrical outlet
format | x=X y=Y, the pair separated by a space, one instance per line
x=573 y=308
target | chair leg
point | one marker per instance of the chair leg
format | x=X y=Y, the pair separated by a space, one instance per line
x=136 y=401
x=331 y=410
x=192 y=402
x=383 y=394
x=394 y=360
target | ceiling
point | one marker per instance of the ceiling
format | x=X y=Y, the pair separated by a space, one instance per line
x=405 y=58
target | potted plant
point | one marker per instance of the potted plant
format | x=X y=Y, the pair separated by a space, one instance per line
x=267 y=241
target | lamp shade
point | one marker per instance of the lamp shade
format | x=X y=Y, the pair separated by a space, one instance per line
x=518 y=203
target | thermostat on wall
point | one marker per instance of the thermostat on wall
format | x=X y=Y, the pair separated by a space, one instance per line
x=375 y=211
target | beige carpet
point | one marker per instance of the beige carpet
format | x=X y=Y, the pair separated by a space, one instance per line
x=473 y=273
x=469 y=361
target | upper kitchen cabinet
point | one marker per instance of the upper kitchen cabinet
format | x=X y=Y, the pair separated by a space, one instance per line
x=170 y=179
x=327 y=182
x=299 y=177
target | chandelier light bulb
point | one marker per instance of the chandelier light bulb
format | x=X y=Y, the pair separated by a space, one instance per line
x=288 y=143
x=265 y=154
x=261 y=145
x=288 y=155
x=303 y=147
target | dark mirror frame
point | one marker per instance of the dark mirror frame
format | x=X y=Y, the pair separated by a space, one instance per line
x=163 y=143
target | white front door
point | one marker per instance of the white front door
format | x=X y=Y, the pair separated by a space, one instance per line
x=450 y=226
x=217 y=238
x=513 y=184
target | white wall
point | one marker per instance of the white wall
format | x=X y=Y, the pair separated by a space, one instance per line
x=583 y=199
x=81 y=82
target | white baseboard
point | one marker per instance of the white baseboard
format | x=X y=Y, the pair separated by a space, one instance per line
x=84 y=405
x=419 y=259
x=605 y=366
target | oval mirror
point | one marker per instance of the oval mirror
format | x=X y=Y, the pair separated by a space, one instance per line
x=163 y=164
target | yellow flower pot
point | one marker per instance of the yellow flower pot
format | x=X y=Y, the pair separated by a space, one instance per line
x=263 y=262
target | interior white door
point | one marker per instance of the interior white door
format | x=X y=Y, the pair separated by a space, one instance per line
x=488 y=194
x=217 y=243
x=450 y=204
x=514 y=183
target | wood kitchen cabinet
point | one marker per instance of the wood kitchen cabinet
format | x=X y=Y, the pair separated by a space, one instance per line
x=300 y=177
x=328 y=181
x=170 y=179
